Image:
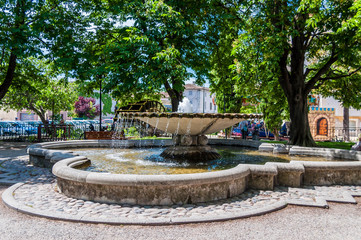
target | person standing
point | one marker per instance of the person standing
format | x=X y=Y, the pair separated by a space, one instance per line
x=244 y=129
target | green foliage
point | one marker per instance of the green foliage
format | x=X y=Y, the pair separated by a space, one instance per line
x=60 y=133
x=41 y=92
x=336 y=88
x=296 y=46
x=32 y=138
x=107 y=101
x=39 y=29
x=152 y=55
x=76 y=133
x=339 y=145
x=132 y=131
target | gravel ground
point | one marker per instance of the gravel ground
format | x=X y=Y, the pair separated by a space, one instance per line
x=340 y=221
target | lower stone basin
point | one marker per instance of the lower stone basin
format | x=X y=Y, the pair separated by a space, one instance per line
x=191 y=188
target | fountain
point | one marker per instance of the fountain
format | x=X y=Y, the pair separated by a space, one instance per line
x=185 y=106
x=189 y=131
x=189 y=141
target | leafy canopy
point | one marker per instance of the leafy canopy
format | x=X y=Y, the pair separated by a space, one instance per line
x=41 y=90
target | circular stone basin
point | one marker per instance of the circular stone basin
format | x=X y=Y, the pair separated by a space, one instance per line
x=148 y=161
x=195 y=187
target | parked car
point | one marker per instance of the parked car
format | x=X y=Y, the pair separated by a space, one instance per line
x=7 y=129
x=27 y=128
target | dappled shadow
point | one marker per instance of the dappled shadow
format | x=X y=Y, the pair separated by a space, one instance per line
x=14 y=145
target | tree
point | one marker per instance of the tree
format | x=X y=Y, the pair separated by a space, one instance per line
x=30 y=28
x=40 y=90
x=301 y=44
x=159 y=51
x=85 y=107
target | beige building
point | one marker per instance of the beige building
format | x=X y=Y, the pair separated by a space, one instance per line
x=326 y=120
x=8 y=115
x=26 y=115
x=201 y=99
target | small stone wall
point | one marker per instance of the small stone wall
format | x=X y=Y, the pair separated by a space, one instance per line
x=192 y=188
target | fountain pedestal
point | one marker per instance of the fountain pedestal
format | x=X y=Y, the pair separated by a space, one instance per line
x=191 y=148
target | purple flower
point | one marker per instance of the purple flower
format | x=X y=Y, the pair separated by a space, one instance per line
x=85 y=107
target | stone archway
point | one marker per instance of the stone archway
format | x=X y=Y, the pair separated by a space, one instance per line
x=322 y=123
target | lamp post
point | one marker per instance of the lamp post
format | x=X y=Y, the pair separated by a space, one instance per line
x=100 y=108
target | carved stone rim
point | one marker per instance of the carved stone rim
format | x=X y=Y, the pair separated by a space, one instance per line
x=191 y=115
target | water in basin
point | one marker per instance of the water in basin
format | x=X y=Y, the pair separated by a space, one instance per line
x=148 y=160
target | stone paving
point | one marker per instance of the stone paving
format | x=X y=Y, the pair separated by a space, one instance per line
x=18 y=169
x=39 y=195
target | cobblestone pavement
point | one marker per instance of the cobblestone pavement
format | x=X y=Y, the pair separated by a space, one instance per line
x=43 y=196
x=17 y=169
x=39 y=193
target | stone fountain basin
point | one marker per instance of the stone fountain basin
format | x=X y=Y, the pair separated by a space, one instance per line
x=149 y=189
x=190 y=123
x=192 y=188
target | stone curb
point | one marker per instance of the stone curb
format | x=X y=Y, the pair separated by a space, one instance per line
x=11 y=202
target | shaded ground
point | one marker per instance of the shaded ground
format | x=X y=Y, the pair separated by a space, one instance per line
x=341 y=221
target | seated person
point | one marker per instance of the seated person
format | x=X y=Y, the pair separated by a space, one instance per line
x=357 y=146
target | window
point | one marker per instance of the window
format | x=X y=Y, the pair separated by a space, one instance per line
x=190 y=93
x=210 y=106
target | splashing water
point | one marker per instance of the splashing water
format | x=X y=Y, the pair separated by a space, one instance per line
x=185 y=106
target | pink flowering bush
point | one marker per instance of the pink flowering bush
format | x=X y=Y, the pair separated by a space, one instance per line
x=86 y=108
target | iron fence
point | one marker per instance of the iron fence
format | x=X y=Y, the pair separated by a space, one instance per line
x=41 y=132
x=20 y=131
x=335 y=134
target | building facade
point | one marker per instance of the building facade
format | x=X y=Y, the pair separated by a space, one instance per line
x=326 y=120
x=201 y=99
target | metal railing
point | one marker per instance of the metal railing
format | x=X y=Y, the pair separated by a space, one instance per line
x=41 y=132
x=61 y=132
x=335 y=133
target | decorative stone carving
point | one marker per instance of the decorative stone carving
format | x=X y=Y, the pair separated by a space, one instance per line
x=202 y=140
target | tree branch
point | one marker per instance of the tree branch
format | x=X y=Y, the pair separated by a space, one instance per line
x=310 y=84
x=341 y=76
x=284 y=80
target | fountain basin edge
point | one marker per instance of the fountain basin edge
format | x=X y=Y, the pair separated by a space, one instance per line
x=192 y=188
x=149 y=189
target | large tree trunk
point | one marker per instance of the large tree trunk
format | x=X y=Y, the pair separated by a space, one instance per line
x=41 y=115
x=176 y=98
x=296 y=91
x=16 y=37
x=300 y=128
x=346 y=124
x=9 y=76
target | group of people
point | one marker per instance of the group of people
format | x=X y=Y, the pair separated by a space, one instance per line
x=253 y=127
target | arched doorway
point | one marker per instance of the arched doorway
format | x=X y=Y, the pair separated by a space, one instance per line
x=322 y=127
